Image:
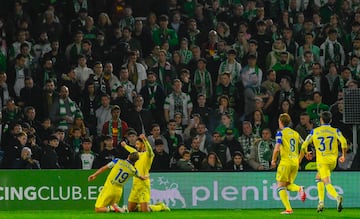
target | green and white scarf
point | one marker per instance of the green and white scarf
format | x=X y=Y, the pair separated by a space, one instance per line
x=203 y=83
x=186 y=55
x=335 y=56
x=264 y=153
x=63 y=124
x=235 y=71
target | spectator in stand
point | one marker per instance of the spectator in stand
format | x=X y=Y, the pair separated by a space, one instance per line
x=90 y=102
x=64 y=110
x=87 y=51
x=73 y=50
x=122 y=101
x=332 y=50
x=6 y=91
x=156 y=135
x=184 y=163
x=124 y=81
x=65 y=151
x=103 y=113
x=284 y=67
x=340 y=82
x=164 y=33
x=127 y=20
x=225 y=125
x=173 y=139
x=26 y=161
x=143 y=36
x=237 y=163
x=161 y=160
x=115 y=127
x=109 y=82
x=315 y=109
x=56 y=55
x=305 y=125
x=264 y=42
x=165 y=71
x=82 y=71
x=154 y=97
x=212 y=163
x=197 y=157
x=30 y=117
x=139 y=118
x=108 y=153
x=178 y=101
x=101 y=47
x=30 y=95
x=230 y=90
x=252 y=91
x=310 y=47
x=30 y=62
x=69 y=80
x=249 y=69
x=230 y=65
x=247 y=139
x=50 y=25
x=17 y=74
x=11 y=113
x=304 y=70
x=222 y=151
x=14 y=49
x=89 y=29
x=12 y=156
x=137 y=72
x=305 y=96
x=261 y=151
x=85 y=159
x=49 y=159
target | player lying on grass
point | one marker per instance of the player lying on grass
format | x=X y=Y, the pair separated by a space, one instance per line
x=121 y=172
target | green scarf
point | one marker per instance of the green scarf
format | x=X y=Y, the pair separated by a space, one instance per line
x=186 y=55
x=234 y=72
x=62 y=112
x=203 y=83
x=264 y=153
x=336 y=58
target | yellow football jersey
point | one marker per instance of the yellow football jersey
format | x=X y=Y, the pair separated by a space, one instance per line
x=325 y=139
x=144 y=163
x=289 y=140
x=121 y=172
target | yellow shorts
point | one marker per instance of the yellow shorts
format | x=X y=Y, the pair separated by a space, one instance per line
x=109 y=195
x=286 y=173
x=324 y=169
x=140 y=193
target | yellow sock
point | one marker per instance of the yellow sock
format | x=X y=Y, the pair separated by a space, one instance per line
x=284 y=198
x=331 y=190
x=293 y=187
x=321 y=190
x=155 y=208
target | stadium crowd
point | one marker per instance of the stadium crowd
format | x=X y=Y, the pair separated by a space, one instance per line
x=205 y=80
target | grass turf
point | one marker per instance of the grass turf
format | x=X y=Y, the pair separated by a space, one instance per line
x=189 y=214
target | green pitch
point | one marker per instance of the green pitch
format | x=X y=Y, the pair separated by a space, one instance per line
x=188 y=214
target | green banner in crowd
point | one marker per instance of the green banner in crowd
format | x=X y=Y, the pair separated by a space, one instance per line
x=69 y=189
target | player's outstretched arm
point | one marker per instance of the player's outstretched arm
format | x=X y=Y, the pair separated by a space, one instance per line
x=148 y=147
x=275 y=155
x=343 y=143
x=127 y=147
x=99 y=171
